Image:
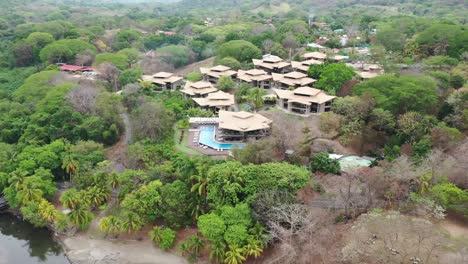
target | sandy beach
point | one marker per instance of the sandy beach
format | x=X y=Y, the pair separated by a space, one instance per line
x=81 y=250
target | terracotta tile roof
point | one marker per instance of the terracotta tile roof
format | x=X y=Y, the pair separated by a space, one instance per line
x=243 y=121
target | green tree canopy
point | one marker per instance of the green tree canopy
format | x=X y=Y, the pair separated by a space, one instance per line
x=400 y=94
x=241 y=50
x=334 y=76
x=441 y=39
x=121 y=61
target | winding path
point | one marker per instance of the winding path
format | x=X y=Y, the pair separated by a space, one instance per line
x=117 y=154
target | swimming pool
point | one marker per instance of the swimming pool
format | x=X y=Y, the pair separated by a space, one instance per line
x=207 y=137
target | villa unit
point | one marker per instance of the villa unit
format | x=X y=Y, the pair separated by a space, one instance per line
x=366 y=71
x=272 y=64
x=256 y=78
x=293 y=79
x=303 y=66
x=213 y=74
x=198 y=89
x=304 y=100
x=216 y=101
x=240 y=126
x=164 y=81
x=315 y=55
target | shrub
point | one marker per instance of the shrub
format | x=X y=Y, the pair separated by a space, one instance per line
x=322 y=162
x=194 y=77
x=163 y=238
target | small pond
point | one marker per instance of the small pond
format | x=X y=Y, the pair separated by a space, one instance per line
x=21 y=242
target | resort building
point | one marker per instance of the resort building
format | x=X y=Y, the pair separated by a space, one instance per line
x=240 y=126
x=216 y=101
x=367 y=71
x=303 y=66
x=293 y=79
x=256 y=78
x=272 y=64
x=304 y=100
x=164 y=81
x=198 y=89
x=338 y=58
x=215 y=136
x=213 y=74
x=75 y=68
x=315 y=55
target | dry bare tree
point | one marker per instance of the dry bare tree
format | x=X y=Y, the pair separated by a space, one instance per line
x=83 y=98
x=110 y=73
x=394 y=238
x=302 y=235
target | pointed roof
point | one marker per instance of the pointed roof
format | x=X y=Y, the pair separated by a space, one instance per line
x=162 y=75
x=295 y=75
x=220 y=68
x=219 y=95
x=198 y=88
x=304 y=65
x=243 y=121
x=304 y=95
x=216 y=99
x=253 y=75
x=218 y=71
x=270 y=62
x=162 y=78
x=315 y=55
x=293 y=79
x=271 y=58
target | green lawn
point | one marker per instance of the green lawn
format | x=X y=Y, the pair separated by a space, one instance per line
x=182 y=146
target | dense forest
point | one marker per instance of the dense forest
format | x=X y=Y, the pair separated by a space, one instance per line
x=102 y=154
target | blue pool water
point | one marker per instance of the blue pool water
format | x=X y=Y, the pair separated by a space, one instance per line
x=207 y=136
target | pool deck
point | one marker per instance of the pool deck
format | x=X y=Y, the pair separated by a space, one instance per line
x=207 y=151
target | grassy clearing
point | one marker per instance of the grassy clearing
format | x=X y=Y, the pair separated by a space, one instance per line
x=182 y=146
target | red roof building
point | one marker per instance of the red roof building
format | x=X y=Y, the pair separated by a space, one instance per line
x=75 y=68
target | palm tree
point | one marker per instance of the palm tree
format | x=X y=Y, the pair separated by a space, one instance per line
x=110 y=225
x=71 y=198
x=258 y=232
x=114 y=180
x=47 y=211
x=131 y=222
x=235 y=255
x=255 y=97
x=17 y=178
x=200 y=180
x=69 y=163
x=28 y=191
x=218 y=249
x=98 y=195
x=253 y=248
x=80 y=217
x=156 y=235
x=195 y=244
